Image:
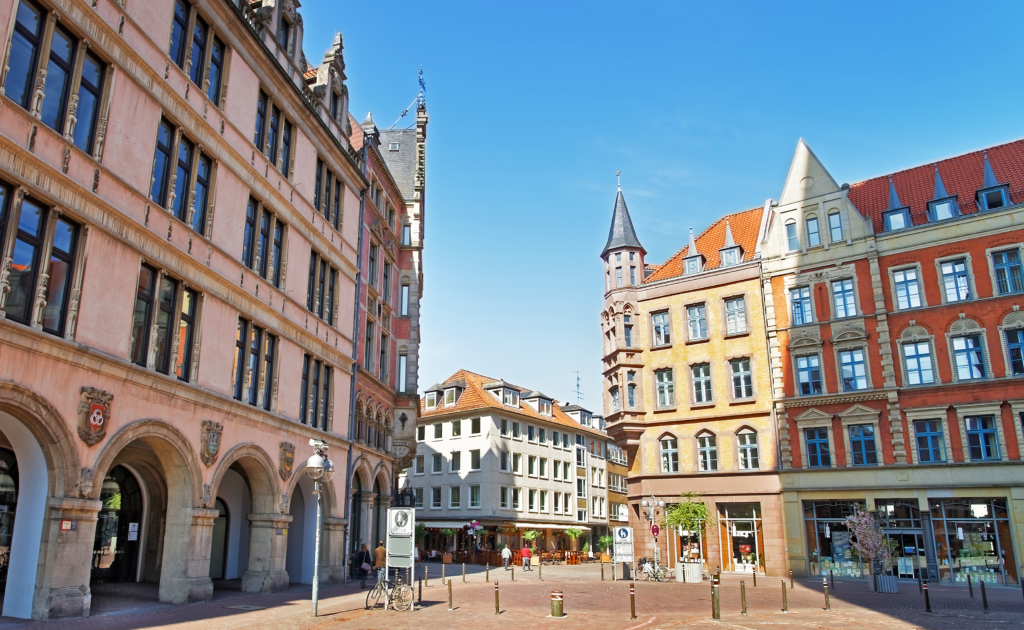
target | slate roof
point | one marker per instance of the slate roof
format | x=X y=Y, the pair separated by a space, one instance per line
x=475 y=397
x=621 y=232
x=401 y=163
x=745 y=227
x=962 y=176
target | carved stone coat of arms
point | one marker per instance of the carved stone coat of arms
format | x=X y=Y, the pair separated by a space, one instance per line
x=286 y=461
x=93 y=414
x=209 y=441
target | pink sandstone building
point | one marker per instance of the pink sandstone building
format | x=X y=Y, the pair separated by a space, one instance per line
x=185 y=208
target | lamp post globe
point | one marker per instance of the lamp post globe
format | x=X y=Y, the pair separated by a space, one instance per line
x=315 y=466
x=328 y=471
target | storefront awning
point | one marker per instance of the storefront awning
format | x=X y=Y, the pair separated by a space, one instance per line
x=444 y=524
x=549 y=526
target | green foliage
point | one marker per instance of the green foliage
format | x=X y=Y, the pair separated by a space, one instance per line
x=531 y=535
x=574 y=532
x=448 y=533
x=691 y=514
x=586 y=547
x=421 y=532
x=113 y=502
x=605 y=542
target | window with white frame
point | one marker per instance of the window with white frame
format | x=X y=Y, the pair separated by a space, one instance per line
x=813 y=233
x=435 y=498
x=707 y=452
x=517 y=463
x=968 y=357
x=503 y=497
x=666 y=395
x=669 y=455
x=747 y=443
x=843 y=298
x=418 y=493
x=436 y=466
x=853 y=369
x=956 y=283
x=662 y=329
x=438 y=429
x=1006 y=265
x=557 y=502
x=474 y=459
x=917 y=358
x=456 y=461
x=701 y=383
x=800 y=300
x=532 y=494
x=697 y=321
x=908 y=289
x=456 y=428
x=431 y=400
x=474 y=497
x=735 y=316
x=455 y=497
x=742 y=381
x=792 y=240
x=835 y=227
x=516 y=498
x=504 y=461
x=808 y=371
x=421 y=466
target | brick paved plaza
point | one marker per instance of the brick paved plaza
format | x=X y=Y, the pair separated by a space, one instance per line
x=589 y=603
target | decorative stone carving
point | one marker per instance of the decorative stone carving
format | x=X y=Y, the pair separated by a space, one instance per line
x=66 y=161
x=283 y=507
x=286 y=460
x=37 y=97
x=824 y=275
x=5 y=281
x=85 y=482
x=209 y=441
x=913 y=331
x=40 y=302
x=93 y=414
x=207 y=497
x=69 y=333
x=1014 y=319
x=963 y=324
x=853 y=331
x=101 y=135
x=69 y=126
x=805 y=337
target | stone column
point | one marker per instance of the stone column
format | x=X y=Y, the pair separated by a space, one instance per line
x=368 y=499
x=197 y=573
x=268 y=549
x=66 y=559
x=332 y=549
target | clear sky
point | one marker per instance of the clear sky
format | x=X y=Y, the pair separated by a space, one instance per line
x=534 y=106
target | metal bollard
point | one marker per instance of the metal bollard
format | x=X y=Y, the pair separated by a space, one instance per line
x=463 y=572
x=442 y=573
x=832 y=579
x=984 y=596
x=487 y=572
x=755 y=578
x=421 y=591
x=632 y=600
x=450 y=595
x=824 y=584
x=513 y=573
x=785 y=598
x=556 y=604
x=426 y=576
x=743 y=596
x=927 y=600
x=602 y=572
x=716 y=603
x=540 y=571
x=919 y=589
x=791 y=580
x=497 y=607
x=970 y=586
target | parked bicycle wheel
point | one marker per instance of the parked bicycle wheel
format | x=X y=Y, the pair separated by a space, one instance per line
x=402 y=597
x=373 y=597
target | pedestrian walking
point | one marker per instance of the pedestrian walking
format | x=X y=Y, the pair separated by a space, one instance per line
x=506 y=555
x=363 y=560
x=380 y=557
x=526 y=555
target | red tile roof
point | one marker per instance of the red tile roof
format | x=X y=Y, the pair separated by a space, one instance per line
x=962 y=176
x=309 y=74
x=745 y=227
x=475 y=397
x=358 y=137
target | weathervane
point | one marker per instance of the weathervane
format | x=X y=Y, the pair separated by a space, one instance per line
x=419 y=101
x=618 y=178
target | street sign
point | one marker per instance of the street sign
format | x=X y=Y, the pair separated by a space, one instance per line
x=623 y=546
x=400 y=545
x=655 y=531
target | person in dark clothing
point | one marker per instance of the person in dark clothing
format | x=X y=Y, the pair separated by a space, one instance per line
x=363 y=559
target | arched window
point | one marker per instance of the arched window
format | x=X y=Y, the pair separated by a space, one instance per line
x=403 y=310
x=360 y=423
x=747 y=441
x=616 y=403
x=669 y=455
x=707 y=452
x=792 y=240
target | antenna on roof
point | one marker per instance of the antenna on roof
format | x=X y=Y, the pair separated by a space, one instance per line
x=579 y=394
x=618 y=178
x=419 y=100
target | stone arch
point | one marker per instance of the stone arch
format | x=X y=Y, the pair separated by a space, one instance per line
x=1014 y=319
x=746 y=428
x=51 y=431
x=148 y=430
x=259 y=469
x=914 y=331
x=963 y=324
x=381 y=472
x=328 y=489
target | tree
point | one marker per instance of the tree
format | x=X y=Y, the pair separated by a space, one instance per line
x=605 y=542
x=574 y=533
x=691 y=515
x=421 y=532
x=445 y=535
x=531 y=536
x=868 y=541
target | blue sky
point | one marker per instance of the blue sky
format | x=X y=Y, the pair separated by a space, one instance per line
x=534 y=106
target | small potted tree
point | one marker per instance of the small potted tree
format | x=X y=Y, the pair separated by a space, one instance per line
x=446 y=533
x=693 y=517
x=605 y=543
x=868 y=542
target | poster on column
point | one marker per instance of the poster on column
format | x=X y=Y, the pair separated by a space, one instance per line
x=401 y=530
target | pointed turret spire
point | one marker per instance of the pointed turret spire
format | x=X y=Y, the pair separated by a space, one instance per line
x=692 y=251
x=894 y=199
x=990 y=176
x=940 y=188
x=728 y=236
x=621 y=232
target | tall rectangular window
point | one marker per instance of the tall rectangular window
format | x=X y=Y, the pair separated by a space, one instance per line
x=1008 y=272
x=669 y=455
x=24 y=54
x=403 y=308
x=842 y=297
x=618 y=276
x=968 y=357
x=57 y=87
x=707 y=453
x=286 y=148
x=90 y=91
x=792 y=240
x=813 y=234
x=735 y=316
x=1015 y=351
x=385 y=284
x=407 y=235
x=627 y=329
x=238 y=369
x=662 y=331
x=269 y=350
x=178 y=33
x=455 y=495
x=616 y=401
x=697 y=320
x=318 y=178
x=474 y=496
x=272 y=134
x=204 y=173
x=701 y=383
x=261 y=119
x=320 y=297
x=982 y=438
x=253 y=363
x=162 y=163
x=808 y=375
x=145 y=291
x=747 y=442
x=955 y=281
x=456 y=461
x=315 y=393
x=854 y=372
x=199 y=35
x=213 y=90
x=931 y=446
x=368 y=347
x=60 y=270
x=435 y=498
x=165 y=313
x=918 y=361
x=862 y=443
x=186 y=332
x=403 y=372
x=800 y=298
x=632 y=275
x=816 y=441
x=908 y=293
x=666 y=395
x=742 y=382
x=835 y=227
x=382 y=364
x=183 y=173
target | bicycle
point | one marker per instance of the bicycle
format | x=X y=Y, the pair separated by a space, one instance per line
x=653 y=570
x=397 y=594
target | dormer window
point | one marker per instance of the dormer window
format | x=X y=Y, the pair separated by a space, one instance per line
x=511 y=397
x=730 y=256
x=992 y=198
x=896 y=219
x=692 y=265
x=393 y=146
x=544 y=407
x=449 y=396
x=942 y=209
x=431 y=400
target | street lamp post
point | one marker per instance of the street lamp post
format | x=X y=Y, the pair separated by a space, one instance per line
x=320 y=469
x=652 y=509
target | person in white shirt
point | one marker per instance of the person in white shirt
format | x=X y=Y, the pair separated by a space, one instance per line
x=506 y=555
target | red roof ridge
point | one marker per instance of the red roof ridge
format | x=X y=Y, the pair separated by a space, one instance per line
x=745 y=236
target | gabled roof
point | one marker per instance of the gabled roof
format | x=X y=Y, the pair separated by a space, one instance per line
x=744 y=227
x=963 y=176
x=807 y=176
x=621 y=232
x=476 y=398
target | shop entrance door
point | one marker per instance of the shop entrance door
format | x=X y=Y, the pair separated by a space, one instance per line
x=115 y=553
x=741 y=537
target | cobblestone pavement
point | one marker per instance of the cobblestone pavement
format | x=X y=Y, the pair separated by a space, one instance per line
x=589 y=603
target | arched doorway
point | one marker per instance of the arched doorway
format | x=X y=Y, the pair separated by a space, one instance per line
x=115 y=552
x=219 y=544
x=8 y=509
x=302 y=532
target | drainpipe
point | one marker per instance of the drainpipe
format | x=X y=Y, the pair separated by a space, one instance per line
x=355 y=369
